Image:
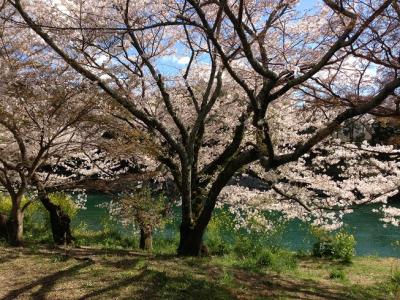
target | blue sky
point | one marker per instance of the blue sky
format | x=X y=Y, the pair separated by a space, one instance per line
x=306 y=4
x=172 y=64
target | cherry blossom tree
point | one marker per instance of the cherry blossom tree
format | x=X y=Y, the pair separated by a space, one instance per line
x=144 y=210
x=42 y=112
x=333 y=179
x=211 y=116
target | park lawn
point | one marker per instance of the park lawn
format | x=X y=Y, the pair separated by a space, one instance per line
x=87 y=273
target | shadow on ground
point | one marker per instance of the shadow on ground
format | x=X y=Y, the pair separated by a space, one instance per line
x=46 y=283
x=127 y=275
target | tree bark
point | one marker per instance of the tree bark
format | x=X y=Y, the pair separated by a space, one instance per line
x=16 y=224
x=3 y=226
x=146 y=238
x=59 y=220
x=191 y=241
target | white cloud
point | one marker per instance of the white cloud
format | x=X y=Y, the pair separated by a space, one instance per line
x=183 y=60
x=350 y=68
x=180 y=60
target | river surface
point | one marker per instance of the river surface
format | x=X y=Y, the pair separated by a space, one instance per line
x=371 y=236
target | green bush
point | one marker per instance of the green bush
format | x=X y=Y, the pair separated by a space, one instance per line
x=344 y=246
x=109 y=236
x=277 y=260
x=165 y=245
x=340 y=245
x=266 y=258
x=223 y=238
x=337 y=274
x=246 y=246
x=217 y=230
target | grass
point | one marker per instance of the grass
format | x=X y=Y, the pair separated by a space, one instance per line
x=337 y=274
x=89 y=273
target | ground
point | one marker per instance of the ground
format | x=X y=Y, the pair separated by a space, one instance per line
x=87 y=273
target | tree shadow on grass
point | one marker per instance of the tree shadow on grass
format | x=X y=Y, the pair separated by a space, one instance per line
x=305 y=290
x=88 y=251
x=8 y=257
x=78 y=253
x=122 y=264
x=276 y=286
x=192 y=278
x=46 y=283
x=151 y=284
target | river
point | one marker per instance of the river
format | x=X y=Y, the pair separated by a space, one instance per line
x=371 y=236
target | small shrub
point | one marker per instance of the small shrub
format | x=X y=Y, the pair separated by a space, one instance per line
x=277 y=260
x=109 y=236
x=223 y=237
x=337 y=274
x=344 y=246
x=245 y=246
x=166 y=245
x=340 y=245
x=217 y=246
x=217 y=229
x=266 y=258
x=81 y=233
x=323 y=247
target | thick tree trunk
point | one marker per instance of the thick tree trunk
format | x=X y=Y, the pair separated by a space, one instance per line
x=3 y=226
x=146 y=238
x=16 y=224
x=191 y=236
x=60 y=223
x=59 y=220
x=191 y=241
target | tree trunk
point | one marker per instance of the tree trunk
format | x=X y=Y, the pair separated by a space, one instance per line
x=146 y=238
x=191 y=236
x=60 y=223
x=59 y=220
x=191 y=241
x=16 y=224
x=4 y=226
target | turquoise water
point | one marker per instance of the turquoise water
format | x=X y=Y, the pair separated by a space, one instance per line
x=372 y=238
